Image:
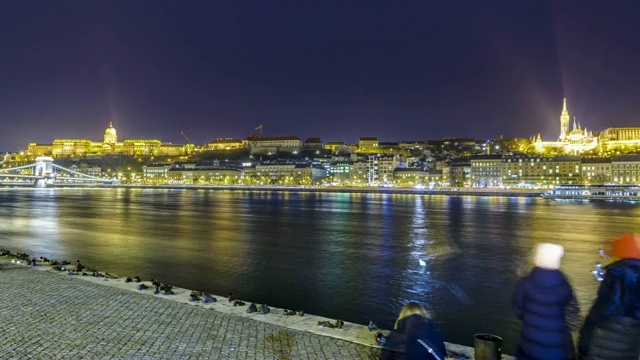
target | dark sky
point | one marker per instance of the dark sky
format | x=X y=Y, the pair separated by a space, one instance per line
x=397 y=70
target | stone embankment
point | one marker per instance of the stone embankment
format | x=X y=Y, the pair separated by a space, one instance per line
x=48 y=314
x=314 y=189
x=358 y=190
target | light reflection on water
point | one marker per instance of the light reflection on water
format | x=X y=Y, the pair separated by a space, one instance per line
x=349 y=256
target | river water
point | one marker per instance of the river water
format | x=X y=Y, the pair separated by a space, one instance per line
x=340 y=255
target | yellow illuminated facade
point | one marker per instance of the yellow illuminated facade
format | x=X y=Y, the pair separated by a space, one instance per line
x=225 y=144
x=574 y=141
x=109 y=145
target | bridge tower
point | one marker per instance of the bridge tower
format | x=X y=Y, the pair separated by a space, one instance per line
x=44 y=170
x=44 y=166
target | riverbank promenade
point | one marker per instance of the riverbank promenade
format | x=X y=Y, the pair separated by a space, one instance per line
x=48 y=314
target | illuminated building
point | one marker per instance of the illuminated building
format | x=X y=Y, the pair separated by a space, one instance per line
x=486 y=170
x=283 y=174
x=156 y=173
x=540 y=171
x=596 y=170
x=312 y=143
x=333 y=146
x=272 y=144
x=457 y=174
x=109 y=145
x=617 y=138
x=204 y=175
x=368 y=145
x=225 y=144
x=407 y=177
x=386 y=164
x=625 y=169
x=576 y=141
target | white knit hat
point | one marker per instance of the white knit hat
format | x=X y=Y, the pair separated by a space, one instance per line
x=547 y=256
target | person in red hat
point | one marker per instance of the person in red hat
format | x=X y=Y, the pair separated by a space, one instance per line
x=612 y=328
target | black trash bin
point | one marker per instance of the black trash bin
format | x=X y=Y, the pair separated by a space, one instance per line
x=487 y=347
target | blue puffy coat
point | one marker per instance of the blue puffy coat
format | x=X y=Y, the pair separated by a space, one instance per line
x=540 y=301
x=612 y=329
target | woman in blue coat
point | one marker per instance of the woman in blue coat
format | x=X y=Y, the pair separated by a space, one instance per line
x=540 y=302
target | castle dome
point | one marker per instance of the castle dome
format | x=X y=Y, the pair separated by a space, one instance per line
x=110 y=135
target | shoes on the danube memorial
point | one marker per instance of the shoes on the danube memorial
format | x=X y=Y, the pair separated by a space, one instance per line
x=326 y=324
x=288 y=312
x=264 y=309
x=300 y=313
x=231 y=297
x=136 y=278
x=372 y=326
x=169 y=292
x=142 y=287
x=128 y=280
x=339 y=324
x=193 y=297
x=252 y=308
x=206 y=298
x=238 y=303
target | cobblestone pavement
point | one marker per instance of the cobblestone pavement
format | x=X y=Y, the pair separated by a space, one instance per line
x=44 y=315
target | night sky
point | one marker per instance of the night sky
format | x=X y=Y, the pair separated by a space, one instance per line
x=338 y=70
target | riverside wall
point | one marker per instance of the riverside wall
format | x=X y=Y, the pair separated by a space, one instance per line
x=48 y=314
x=314 y=189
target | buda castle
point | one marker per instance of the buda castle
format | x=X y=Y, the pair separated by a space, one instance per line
x=110 y=145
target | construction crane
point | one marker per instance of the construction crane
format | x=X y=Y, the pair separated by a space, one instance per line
x=189 y=144
x=185 y=136
x=260 y=128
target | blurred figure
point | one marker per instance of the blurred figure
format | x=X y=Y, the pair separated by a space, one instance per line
x=612 y=328
x=414 y=337
x=540 y=301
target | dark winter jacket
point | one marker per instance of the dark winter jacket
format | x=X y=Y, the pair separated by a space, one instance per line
x=409 y=340
x=540 y=301
x=612 y=328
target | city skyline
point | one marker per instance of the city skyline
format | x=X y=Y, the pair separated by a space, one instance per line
x=412 y=71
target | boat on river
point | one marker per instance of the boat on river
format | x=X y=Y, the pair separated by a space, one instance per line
x=594 y=192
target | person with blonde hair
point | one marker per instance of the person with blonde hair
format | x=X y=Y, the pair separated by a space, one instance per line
x=541 y=301
x=414 y=336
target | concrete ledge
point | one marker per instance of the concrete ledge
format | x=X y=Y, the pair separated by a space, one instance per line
x=351 y=332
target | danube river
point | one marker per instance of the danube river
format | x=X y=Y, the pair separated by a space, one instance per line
x=349 y=256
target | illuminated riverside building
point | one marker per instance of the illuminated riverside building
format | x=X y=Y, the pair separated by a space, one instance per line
x=109 y=145
x=625 y=169
x=409 y=177
x=540 y=171
x=386 y=165
x=574 y=141
x=596 y=170
x=486 y=170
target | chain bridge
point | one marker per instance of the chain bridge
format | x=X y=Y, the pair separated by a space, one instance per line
x=44 y=173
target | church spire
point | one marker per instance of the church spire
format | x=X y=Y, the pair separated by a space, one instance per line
x=564 y=120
